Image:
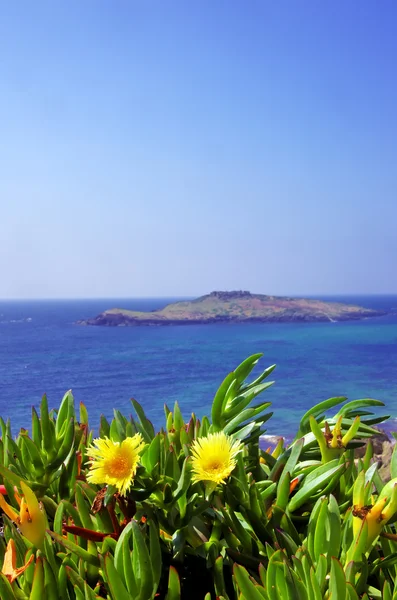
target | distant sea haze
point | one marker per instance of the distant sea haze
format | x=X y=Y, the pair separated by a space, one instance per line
x=42 y=350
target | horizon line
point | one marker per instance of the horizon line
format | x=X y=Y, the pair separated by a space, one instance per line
x=176 y=296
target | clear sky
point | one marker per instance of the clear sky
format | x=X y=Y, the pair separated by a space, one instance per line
x=163 y=148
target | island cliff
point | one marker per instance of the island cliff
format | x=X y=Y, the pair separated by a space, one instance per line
x=235 y=307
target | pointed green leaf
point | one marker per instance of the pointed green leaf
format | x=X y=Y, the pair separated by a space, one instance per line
x=174 y=586
x=219 y=402
x=75 y=549
x=147 y=429
x=337 y=583
x=155 y=554
x=6 y=592
x=315 y=483
x=115 y=582
x=141 y=563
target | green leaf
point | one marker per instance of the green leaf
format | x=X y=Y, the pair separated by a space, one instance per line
x=354 y=405
x=244 y=369
x=315 y=586
x=294 y=453
x=244 y=432
x=36 y=428
x=174 y=586
x=219 y=402
x=79 y=593
x=73 y=512
x=320 y=540
x=6 y=592
x=111 y=490
x=321 y=570
x=121 y=423
x=240 y=402
x=62 y=583
x=47 y=429
x=109 y=545
x=33 y=452
x=141 y=564
x=317 y=410
x=37 y=592
x=114 y=580
x=147 y=429
x=219 y=581
x=89 y=593
x=248 y=589
x=65 y=412
x=393 y=464
x=123 y=540
x=122 y=561
x=238 y=529
x=337 y=584
x=178 y=418
x=281 y=583
x=184 y=480
x=104 y=428
x=259 y=379
x=75 y=549
x=155 y=554
x=334 y=531
x=83 y=509
x=59 y=518
x=315 y=483
x=12 y=478
x=245 y=415
x=66 y=446
x=50 y=591
x=387 y=591
x=283 y=491
x=152 y=455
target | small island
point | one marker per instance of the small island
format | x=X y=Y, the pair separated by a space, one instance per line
x=235 y=307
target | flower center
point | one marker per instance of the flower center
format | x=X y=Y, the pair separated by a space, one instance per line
x=119 y=467
x=214 y=465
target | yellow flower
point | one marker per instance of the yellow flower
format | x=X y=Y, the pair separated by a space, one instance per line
x=214 y=457
x=31 y=520
x=10 y=569
x=115 y=463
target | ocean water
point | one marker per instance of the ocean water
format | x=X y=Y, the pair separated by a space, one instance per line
x=42 y=350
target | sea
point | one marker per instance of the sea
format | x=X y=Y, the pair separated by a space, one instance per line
x=43 y=350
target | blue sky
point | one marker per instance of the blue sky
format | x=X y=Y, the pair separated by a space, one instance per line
x=172 y=148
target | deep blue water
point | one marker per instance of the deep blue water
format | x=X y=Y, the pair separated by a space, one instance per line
x=41 y=350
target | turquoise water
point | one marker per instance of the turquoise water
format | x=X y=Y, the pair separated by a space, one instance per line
x=41 y=350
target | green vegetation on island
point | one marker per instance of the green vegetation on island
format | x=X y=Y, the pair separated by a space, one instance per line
x=235 y=307
x=200 y=509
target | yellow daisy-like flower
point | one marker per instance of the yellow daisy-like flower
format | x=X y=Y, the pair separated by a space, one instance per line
x=214 y=457
x=115 y=463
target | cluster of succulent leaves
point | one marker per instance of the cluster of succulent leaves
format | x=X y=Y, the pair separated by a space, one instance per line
x=290 y=523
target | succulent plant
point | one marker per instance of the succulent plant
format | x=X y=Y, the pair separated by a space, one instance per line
x=197 y=509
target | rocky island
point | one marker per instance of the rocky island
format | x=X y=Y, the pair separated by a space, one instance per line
x=235 y=307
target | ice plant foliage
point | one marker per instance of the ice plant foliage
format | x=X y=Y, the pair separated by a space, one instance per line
x=200 y=509
x=115 y=463
x=214 y=457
